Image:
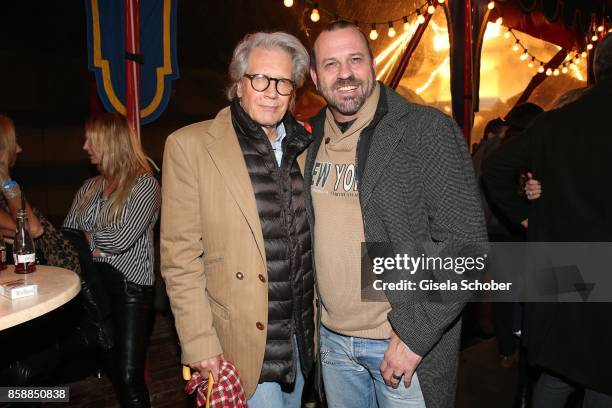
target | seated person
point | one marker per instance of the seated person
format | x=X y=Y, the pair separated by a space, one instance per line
x=75 y=325
x=52 y=248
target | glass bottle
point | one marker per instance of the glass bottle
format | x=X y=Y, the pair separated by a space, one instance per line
x=2 y=253
x=24 y=253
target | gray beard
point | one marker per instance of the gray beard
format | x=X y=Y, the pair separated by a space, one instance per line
x=350 y=107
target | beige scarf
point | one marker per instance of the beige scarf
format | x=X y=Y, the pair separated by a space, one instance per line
x=338 y=140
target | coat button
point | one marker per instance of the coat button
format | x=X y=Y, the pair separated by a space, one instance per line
x=239 y=275
x=262 y=278
x=259 y=325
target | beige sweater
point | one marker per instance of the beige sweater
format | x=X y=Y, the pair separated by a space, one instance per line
x=339 y=232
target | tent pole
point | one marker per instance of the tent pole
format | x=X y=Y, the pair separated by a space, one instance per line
x=132 y=63
x=467 y=71
x=410 y=48
x=539 y=78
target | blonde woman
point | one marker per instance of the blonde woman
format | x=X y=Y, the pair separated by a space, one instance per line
x=22 y=366
x=10 y=199
x=51 y=246
x=117 y=210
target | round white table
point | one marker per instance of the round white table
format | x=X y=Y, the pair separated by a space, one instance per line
x=56 y=286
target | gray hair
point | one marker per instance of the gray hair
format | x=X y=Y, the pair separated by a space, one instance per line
x=602 y=64
x=284 y=41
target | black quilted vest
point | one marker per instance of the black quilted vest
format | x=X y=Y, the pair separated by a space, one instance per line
x=280 y=202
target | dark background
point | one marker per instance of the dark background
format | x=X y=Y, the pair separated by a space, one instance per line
x=46 y=88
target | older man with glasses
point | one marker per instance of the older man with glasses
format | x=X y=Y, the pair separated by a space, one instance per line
x=235 y=241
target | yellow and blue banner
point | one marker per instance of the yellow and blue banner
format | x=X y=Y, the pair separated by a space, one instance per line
x=106 y=30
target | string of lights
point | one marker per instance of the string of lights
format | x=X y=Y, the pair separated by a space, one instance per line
x=572 y=59
x=525 y=55
x=570 y=63
x=428 y=6
x=597 y=33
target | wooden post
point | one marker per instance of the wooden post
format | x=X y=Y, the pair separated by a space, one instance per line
x=133 y=59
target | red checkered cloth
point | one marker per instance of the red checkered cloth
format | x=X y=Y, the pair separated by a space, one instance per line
x=227 y=392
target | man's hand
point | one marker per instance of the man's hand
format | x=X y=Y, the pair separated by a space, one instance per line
x=399 y=361
x=209 y=365
x=533 y=188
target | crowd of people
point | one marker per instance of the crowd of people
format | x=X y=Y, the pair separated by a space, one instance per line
x=262 y=225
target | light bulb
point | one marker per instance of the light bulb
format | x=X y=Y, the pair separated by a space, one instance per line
x=406 y=24
x=530 y=65
x=373 y=33
x=288 y=3
x=576 y=60
x=600 y=29
x=565 y=70
x=573 y=66
x=507 y=35
x=568 y=57
x=556 y=72
x=441 y=1
x=420 y=19
x=524 y=56
x=431 y=9
x=499 y=21
x=584 y=54
x=491 y=5
x=594 y=38
x=541 y=69
x=516 y=47
x=589 y=46
x=549 y=72
x=391 y=32
x=314 y=16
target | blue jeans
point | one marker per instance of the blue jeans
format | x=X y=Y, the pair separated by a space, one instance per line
x=271 y=395
x=352 y=377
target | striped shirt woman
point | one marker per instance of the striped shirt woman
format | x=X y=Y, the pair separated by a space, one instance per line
x=127 y=241
x=117 y=211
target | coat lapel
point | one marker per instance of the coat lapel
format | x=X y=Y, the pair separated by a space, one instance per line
x=227 y=156
x=384 y=142
x=385 y=138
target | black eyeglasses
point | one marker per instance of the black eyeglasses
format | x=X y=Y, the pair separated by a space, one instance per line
x=260 y=83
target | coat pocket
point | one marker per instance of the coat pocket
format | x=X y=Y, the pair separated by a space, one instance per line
x=212 y=258
x=218 y=309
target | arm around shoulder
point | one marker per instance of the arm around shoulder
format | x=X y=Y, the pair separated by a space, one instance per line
x=500 y=176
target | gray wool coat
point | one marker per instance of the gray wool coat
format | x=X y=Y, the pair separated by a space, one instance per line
x=417 y=186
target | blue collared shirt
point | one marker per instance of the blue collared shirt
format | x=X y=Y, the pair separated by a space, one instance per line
x=277 y=144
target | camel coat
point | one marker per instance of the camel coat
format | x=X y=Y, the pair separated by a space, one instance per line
x=213 y=258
